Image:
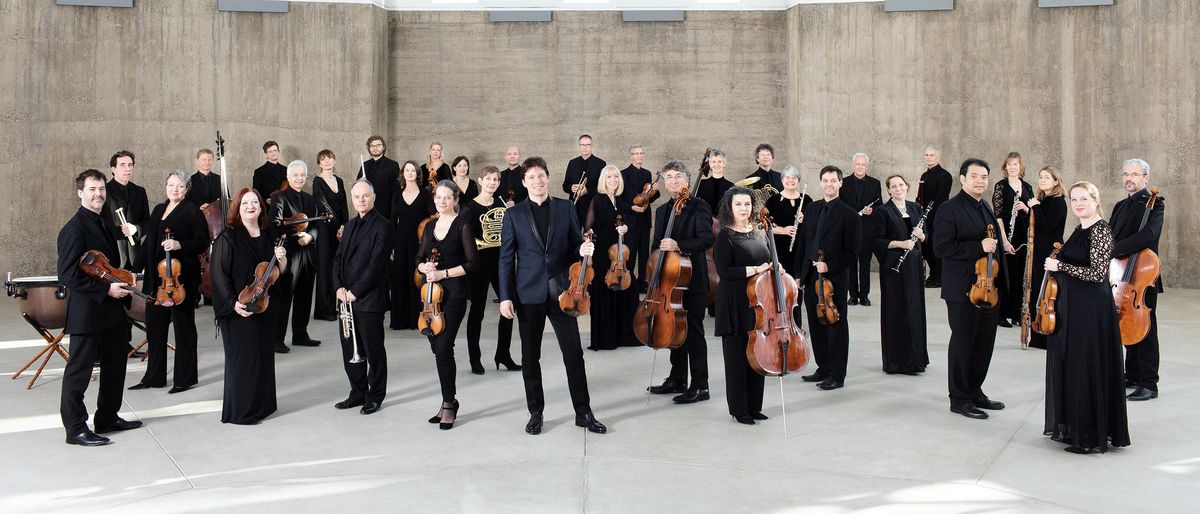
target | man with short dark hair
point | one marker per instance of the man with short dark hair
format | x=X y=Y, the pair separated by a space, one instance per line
x=269 y=177
x=123 y=194
x=582 y=177
x=383 y=173
x=764 y=157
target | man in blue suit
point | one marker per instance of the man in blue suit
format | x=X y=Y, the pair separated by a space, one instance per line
x=538 y=244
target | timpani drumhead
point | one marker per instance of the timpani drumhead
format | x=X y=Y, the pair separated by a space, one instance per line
x=43 y=299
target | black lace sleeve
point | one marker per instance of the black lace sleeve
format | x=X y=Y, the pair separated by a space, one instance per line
x=1101 y=241
x=998 y=200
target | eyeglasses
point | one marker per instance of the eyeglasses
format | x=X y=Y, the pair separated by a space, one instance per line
x=1131 y=175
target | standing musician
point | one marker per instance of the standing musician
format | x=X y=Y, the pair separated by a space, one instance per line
x=95 y=320
x=462 y=177
x=783 y=208
x=302 y=256
x=204 y=186
x=269 y=177
x=538 y=244
x=611 y=311
x=435 y=162
x=714 y=186
x=895 y=235
x=1141 y=359
x=1009 y=200
x=1049 y=219
x=862 y=193
x=635 y=178
x=382 y=172
x=582 y=176
x=451 y=236
x=934 y=189
x=511 y=189
x=189 y=239
x=740 y=252
x=960 y=239
x=486 y=215
x=329 y=192
x=248 y=337
x=691 y=236
x=359 y=273
x=411 y=204
x=131 y=198
x=836 y=230
x=764 y=156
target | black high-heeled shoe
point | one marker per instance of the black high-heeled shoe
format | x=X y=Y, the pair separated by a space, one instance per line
x=453 y=411
x=477 y=368
x=508 y=363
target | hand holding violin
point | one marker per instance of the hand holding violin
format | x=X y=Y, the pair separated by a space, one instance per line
x=989 y=244
x=117 y=291
x=821 y=266
x=587 y=249
x=1051 y=264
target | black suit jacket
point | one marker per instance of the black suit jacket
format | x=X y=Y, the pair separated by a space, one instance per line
x=89 y=308
x=767 y=177
x=203 y=188
x=383 y=174
x=935 y=187
x=693 y=232
x=840 y=237
x=1127 y=217
x=958 y=233
x=288 y=203
x=268 y=178
x=533 y=270
x=360 y=263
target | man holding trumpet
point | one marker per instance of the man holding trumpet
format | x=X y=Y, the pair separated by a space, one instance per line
x=359 y=277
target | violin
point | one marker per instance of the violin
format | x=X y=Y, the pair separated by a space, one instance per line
x=575 y=300
x=618 y=277
x=254 y=295
x=94 y=264
x=170 y=291
x=660 y=320
x=777 y=346
x=1130 y=277
x=432 y=178
x=432 y=320
x=299 y=222
x=984 y=293
x=643 y=199
x=1046 y=319
x=827 y=312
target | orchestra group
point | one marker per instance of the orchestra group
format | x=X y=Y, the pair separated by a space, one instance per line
x=421 y=243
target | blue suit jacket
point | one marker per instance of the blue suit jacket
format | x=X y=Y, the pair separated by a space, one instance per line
x=532 y=270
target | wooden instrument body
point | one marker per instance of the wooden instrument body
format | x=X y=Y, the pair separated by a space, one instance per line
x=94 y=264
x=984 y=293
x=1130 y=277
x=618 y=278
x=215 y=220
x=431 y=321
x=170 y=291
x=299 y=222
x=1046 y=319
x=827 y=312
x=1027 y=283
x=254 y=296
x=575 y=300
x=777 y=346
x=660 y=320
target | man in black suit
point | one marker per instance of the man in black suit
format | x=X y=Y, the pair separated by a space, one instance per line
x=836 y=230
x=269 y=177
x=691 y=236
x=539 y=240
x=960 y=239
x=382 y=172
x=764 y=157
x=636 y=177
x=934 y=189
x=96 y=320
x=862 y=193
x=301 y=274
x=511 y=189
x=123 y=194
x=359 y=277
x=204 y=186
x=585 y=168
x=1141 y=359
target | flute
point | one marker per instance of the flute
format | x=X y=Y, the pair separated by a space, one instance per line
x=799 y=212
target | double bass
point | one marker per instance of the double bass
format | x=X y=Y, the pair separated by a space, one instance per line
x=1027 y=286
x=777 y=346
x=214 y=217
x=660 y=320
x=431 y=321
x=575 y=300
x=984 y=293
x=170 y=290
x=254 y=295
x=1130 y=277
x=1047 y=320
x=618 y=277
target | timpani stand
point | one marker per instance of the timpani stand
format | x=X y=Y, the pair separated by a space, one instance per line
x=43 y=304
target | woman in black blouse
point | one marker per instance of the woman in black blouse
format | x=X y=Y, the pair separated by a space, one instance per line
x=1085 y=397
x=714 y=186
x=1049 y=220
x=462 y=177
x=487 y=272
x=451 y=235
x=248 y=337
x=902 y=311
x=189 y=238
x=411 y=203
x=1009 y=200
x=783 y=206
x=611 y=311
x=330 y=194
x=740 y=252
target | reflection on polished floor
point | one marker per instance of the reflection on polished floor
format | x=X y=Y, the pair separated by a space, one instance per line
x=883 y=443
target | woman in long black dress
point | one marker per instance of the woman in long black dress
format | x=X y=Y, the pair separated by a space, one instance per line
x=714 y=186
x=248 y=337
x=1049 y=220
x=451 y=235
x=485 y=205
x=330 y=193
x=1009 y=199
x=411 y=203
x=462 y=177
x=740 y=252
x=189 y=238
x=902 y=313
x=1085 y=394
x=783 y=206
x=612 y=311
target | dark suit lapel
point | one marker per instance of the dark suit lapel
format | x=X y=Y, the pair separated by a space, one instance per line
x=109 y=245
x=550 y=229
x=527 y=209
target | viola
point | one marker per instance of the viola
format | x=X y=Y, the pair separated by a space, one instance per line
x=1046 y=319
x=660 y=320
x=777 y=346
x=254 y=295
x=618 y=277
x=94 y=264
x=431 y=321
x=170 y=291
x=827 y=312
x=1130 y=277
x=984 y=293
x=575 y=300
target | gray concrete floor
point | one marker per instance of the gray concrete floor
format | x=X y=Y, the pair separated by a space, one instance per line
x=884 y=443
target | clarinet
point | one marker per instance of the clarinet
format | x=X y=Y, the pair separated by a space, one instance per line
x=920 y=224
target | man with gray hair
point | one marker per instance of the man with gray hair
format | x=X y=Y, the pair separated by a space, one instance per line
x=934 y=189
x=862 y=193
x=636 y=178
x=296 y=285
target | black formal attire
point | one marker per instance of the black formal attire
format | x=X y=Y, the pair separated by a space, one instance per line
x=204 y=188
x=334 y=203
x=249 y=342
x=301 y=273
x=468 y=193
x=383 y=174
x=858 y=193
x=1085 y=397
x=902 y=307
x=406 y=217
x=772 y=177
x=485 y=272
x=187 y=226
x=692 y=231
x=960 y=227
x=639 y=222
x=538 y=244
x=733 y=252
x=511 y=184
x=360 y=266
x=576 y=170
x=456 y=249
x=711 y=190
x=1141 y=359
x=268 y=178
x=132 y=198
x=612 y=311
x=443 y=173
x=835 y=228
x=1049 y=219
x=96 y=322
x=1013 y=276
x=934 y=189
x=783 y=213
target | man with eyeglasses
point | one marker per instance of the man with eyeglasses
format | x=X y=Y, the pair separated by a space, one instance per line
x=583 y=176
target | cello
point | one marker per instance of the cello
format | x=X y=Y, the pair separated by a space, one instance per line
x=660 y=320
x=618 y=278
x=170 y=291
x=827 y=312
x=983 y=292
x=432 y=320
x=1046 y=320
x=777 y=346
x=254 y=295
x=1130 y=277
x=574 y=300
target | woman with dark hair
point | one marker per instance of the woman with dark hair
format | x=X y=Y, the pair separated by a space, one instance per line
x=485 y=213
x=248 y=337
x=411 y=203
x=902 y=310
x=330 y=194
x=611 y=311
x=1009 y=201
x=1049 y=221
x=462 y=177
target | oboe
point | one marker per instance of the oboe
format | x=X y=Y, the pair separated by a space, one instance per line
x=1012 y=223
x=347 y=316
x=920 y=223
x=799 y=212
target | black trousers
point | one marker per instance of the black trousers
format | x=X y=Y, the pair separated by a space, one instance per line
x=1141 y=360
x=693 y=353
x=479 y=302
x=298 y=299
x=158 y=321
x=531 y=322
x=368 y=379
x=639 y=247
x=934 y=262
x=830 y=343
x=325 y=303
x=972 y=338
x=743 y=385
x=111 y=346
x=860 y=278
x=443 y=346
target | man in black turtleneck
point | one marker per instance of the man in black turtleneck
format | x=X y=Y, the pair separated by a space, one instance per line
x=636 y=177
x=935 y=189
x=764 y=156
x=587 y=168
x=204 y=186
x=511 y=189
x=383 y=173
x=269 y=177
x=863 y=193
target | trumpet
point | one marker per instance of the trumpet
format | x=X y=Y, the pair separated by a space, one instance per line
x=346 y=315
x=575 y=196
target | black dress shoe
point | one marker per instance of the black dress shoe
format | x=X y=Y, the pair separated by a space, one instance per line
x=142 y=385
x=590 y=422
x=668 y=387
x=349 y=403
x=452 y=410
x=370 y=407
x=1079 y=450
x=830 y=384
x=1130 y=384
x=692 y=396
x=932 y=284
x=179 y=389
x=1004 y=323
x=744 y=419
x=282 y=348
x=815 y=377
x=759 y=416
x=534 y=427
x=118 y=426
x=1142 y=394
x=852 y=301
x=137 y=354
x=969 y=411
x=477 y=368
x=987 y=403
x=306 y=342
x=87 y=438
x=864 y=302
